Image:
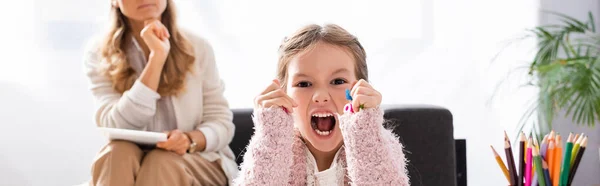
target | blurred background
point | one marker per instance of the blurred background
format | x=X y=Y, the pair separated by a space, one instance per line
x=434 y=52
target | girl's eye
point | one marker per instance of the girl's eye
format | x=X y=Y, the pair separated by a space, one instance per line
x=304 y=84
x=338 y=81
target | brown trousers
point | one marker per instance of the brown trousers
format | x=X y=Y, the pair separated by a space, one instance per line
x=125 y=163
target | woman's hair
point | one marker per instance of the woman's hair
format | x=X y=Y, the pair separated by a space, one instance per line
x=305 y=39
x=179 y=60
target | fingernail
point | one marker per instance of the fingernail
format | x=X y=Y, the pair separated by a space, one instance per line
x=286 y=110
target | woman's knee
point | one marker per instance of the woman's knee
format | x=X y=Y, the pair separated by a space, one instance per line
x=120 y=152
x=116 y=163
x=159 y=158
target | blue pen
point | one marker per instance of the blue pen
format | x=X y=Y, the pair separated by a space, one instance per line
x=349 y=98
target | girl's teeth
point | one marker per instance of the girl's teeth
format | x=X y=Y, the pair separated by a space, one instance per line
x=322 y=133
x=322 y=115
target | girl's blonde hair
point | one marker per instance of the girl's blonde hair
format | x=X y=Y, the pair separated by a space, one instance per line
x=306 y=38
x=178 y=62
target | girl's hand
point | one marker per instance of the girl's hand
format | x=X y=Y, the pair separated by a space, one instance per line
x=274 y=96
x=363 y=95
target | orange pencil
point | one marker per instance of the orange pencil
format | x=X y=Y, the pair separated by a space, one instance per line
x=550 y=158
x=501 y=164
x=558 y=152
x=551 y=138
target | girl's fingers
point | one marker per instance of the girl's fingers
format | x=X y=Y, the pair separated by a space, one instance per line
x=364 y=101
x=278 y=103
x=276 y=94
x=361 y=84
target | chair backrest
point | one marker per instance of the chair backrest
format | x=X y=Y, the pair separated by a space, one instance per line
x=426 y=132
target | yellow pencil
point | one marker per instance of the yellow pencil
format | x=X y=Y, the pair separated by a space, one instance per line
x=576 y=146
x=501 y=164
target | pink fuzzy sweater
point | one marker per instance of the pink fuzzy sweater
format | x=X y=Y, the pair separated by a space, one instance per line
x=276 y=154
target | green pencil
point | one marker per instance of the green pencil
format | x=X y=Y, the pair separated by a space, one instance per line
x=538 y=166
x=566 y=164
x=576 y=145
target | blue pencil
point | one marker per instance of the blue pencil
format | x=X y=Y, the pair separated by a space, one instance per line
x=546 y=172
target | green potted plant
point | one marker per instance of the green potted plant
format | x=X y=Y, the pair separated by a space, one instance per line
x=566 y=69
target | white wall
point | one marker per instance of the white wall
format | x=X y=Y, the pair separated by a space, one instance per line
x=420 y=52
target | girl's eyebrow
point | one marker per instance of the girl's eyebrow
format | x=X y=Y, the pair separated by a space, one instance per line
x=298 y=75
x=341 y=70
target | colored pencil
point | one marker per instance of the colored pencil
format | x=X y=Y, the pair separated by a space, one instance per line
x=535 y=145
x=544 y=146
x=534 y=180
x=557 y=160
x=501 y=164
x=550 y=158
x=566 y=164
x=510 y=160
x=551 y=138
x=546 y=173
x=521 y=158
x=525 y=148
x=529 y=163
x=577 y=160
x=576 y=146
x=547 y=162
x=538 y=167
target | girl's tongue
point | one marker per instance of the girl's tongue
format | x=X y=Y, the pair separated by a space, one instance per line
x=323 y=123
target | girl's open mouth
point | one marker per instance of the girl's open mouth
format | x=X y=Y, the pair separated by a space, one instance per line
x=323 y=123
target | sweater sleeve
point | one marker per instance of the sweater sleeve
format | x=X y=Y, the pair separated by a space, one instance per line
x=133 y=109
x=269 y=156
x=216 y=124
x=374 y=155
